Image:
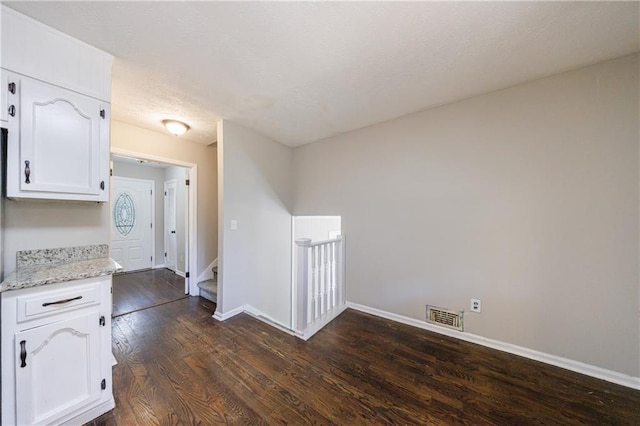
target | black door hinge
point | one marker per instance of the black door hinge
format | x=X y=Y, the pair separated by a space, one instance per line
x=186 y=275
x=102 y=321
x=165 y=254
x=103 y=384
x=186 y=182
x=103 y=114
x=110 y=172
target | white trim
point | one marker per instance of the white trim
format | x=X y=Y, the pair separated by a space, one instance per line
x=558 y=361
x=220 y=316
x=160 y=266
x=191 y=251
x=261 y=316
x=308 y=333
x=91 y=414
x=255 y=313
x=180 y=273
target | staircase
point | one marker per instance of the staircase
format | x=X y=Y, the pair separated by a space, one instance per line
x=209 y=288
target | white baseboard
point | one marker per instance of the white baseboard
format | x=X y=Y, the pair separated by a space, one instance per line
x=256 y=313
x=91 y=414
x=558 y=361
x=259 y=315
x=223 y=316
x=180 y=273
x=317 y=327
x=160 y=266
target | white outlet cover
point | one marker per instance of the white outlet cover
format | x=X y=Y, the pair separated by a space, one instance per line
x=476 y=305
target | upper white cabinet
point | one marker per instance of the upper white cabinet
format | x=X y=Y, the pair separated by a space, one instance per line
x=56 y=106
x=58 y=143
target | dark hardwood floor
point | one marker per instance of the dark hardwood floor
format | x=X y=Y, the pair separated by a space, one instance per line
x=133 y=291
x=177 y=365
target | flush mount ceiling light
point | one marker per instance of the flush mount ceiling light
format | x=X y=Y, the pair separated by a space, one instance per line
x=176 y=127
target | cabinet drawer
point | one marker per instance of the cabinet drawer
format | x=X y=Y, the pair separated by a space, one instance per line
x=39 y=305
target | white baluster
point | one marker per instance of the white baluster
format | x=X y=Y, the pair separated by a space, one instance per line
x=302 y=284
x=340 y=290
x=314 y=283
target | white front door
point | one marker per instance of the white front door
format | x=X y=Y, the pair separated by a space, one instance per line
x=132 y=223
x=170 y=222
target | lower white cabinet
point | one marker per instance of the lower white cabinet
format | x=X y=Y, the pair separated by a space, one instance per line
x=56 y=353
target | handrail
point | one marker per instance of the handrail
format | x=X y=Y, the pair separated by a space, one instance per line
x=319 y=243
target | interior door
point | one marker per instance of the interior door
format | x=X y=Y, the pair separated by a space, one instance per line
x=58 y=369
x=132 y=223
x=170 y=222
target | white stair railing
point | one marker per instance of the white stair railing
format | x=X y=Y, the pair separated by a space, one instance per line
x=320 y=287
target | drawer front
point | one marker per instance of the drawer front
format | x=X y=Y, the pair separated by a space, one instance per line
x=53 y=302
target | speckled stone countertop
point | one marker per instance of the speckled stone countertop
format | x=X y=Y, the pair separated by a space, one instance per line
x=49 y=266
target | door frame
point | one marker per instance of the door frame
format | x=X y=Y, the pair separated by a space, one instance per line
x=167 y=184
x=152 y=213
x=191 y=249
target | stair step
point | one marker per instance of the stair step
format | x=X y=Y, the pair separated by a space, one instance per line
x=209 y=290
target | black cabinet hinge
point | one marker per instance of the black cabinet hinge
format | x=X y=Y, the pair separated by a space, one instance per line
x=165 y=254
x=187 y=182
x=103 y=113
x=102 y=321
x=186 y=275
x=103 y=384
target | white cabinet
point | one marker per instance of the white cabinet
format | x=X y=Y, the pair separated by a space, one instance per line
x=58 y=145
x=56 y=353
x=55 y=102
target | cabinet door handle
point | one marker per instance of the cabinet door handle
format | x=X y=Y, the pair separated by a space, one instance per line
x=102 y=185
x=27 y=171
x=12 y=110
x=12 y=88
x=23 y=353
x=60 y=302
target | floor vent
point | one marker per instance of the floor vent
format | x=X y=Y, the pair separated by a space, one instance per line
x=445 y=317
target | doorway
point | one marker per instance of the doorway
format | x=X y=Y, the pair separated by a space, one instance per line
x=165 y=275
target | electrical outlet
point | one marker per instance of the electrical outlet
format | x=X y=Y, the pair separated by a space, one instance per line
x=476 y=305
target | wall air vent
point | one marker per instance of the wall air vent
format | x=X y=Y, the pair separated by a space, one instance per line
x=445 y=317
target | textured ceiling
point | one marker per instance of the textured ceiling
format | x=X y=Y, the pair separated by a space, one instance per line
x=300 y=72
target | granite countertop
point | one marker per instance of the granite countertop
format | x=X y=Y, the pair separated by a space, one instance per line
x=49 y=266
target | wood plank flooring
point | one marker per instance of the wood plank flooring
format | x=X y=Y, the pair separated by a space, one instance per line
x=177 y=365
x=133 y=291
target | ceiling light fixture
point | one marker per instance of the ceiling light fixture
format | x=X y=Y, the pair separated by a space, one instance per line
x=176 y=127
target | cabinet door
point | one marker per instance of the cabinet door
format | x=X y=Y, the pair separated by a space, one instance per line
x=58 y=369
x=64 y=144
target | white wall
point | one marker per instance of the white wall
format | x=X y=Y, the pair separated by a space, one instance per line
x=140 y=171
x=316 y=228
x=254 y=260
x=131 y=138
x=526 y=198
x=31 y=224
